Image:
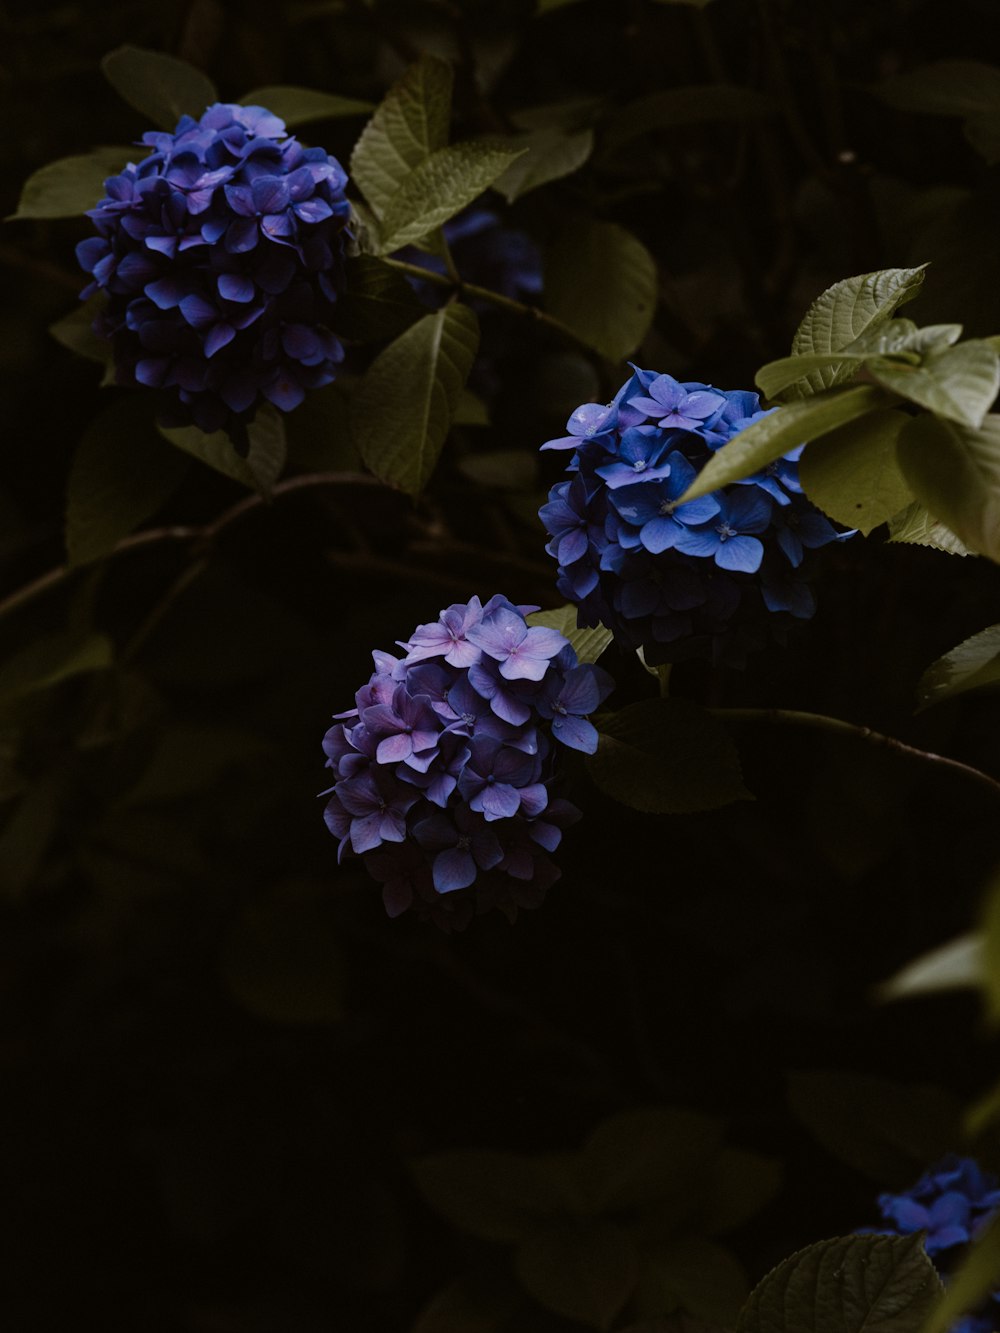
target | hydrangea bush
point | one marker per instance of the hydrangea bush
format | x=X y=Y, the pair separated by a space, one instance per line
x=221 y=255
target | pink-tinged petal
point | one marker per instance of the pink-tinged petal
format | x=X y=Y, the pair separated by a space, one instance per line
x=394 y=748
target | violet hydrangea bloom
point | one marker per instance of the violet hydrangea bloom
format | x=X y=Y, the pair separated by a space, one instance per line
x=715 y=577
x=443 y=770
x=220 y=254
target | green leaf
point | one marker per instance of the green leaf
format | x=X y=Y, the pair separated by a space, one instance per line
x=971 y=1282
x=75 y=331
x=477 y=1303
x=651 y=1155
x=954 y=471
x=945 y=88
x=878 y=1284
x=777 y=376
x=916 y=527
x=470 y=410
x=30 y=829
x=588 y=644
x=612 y=310
x=779 y=432
x=50 y=660
x=69 y=186
x=439 y=187
x=953 y=966
x=888 y=1131
x=697 y=1275
x=973 y=665
x=162 y=87
x=846 y=311
x=301 y=106
x=403 y=407
x=959 y=383
x=583 y=1272
x=667 y=756
x=855 y=477
x=409 y=125
x=379 y=302
x=122 y=473
x=498 y=1196
x=265 y=458
x=548 y=155
x=902 y=335
x=990 y=975
x=674 y=108
x=737 y=1186
x=982 y=133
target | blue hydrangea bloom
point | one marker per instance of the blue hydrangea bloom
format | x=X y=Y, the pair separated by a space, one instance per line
x=220 y=254
x=443 y=768
x=714 y=577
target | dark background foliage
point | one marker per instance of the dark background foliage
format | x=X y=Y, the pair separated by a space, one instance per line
x=218 y=1055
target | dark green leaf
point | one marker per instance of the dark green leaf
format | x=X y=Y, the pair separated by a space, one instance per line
x=945 y=88
x=29 y=831
x=887 y=1130
x=971 y=1283
x=737 y=1186
x=674 y=108
x=959 y=383
x=779 y=432
x=612 y=310
x=479 y=1303
x=47 y=661
x=588 y=644
x=160 y=86
x=499 y=1196
x=76 y=332
x=264 y=461
x=470 y=410
x=696 y=1275
x=954 y=471
x=916 y=527
x=550 y=154
x=974 y=664
x=122 y=473
x=410 y=124
x=403 y=407
x=667 y=756
x=846 y=311
x=854 y=476
x=585 y=1273
x=990 y=960
x=439 y=187
x=653 y=1155
x=68 y=187
x=379 y=302
x=301 y=106
x=853 y=1284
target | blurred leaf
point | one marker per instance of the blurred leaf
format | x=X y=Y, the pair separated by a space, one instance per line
x=738 y=1185
x=781 y=431
x=379 y=302
x=667 y=756
x=878 y=1284
x=612 y=310
x=699 y=1276
x=301 y=106
x=973 y=665
x=439 y=187
x=674 y=108
x=944 y=88
x=954 y=471
x=915 y=526
x=990 y=973
x=499 y=1196
x=846 y=311
x=585 y=1273
x=650 y=1155
x=971 y=1283
x=47 y=661
x=75 y=331
x=470 y=410
x=588 y=644
x=189 y=759
x=160 y=86
x=889 y=1131
x=68 y=187
x=29 y=830
x=479 y=1303
x=959 y=383
x=319 y=431
x=281 y=960
x=551 y=155
x=403 y=407
x=953 y=966
x=855 y=477
x=264 y=461
x=122 y=473
x=409 y=125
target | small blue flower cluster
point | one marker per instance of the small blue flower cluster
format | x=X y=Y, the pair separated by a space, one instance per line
x=442 y=782
x=221 y=256
x=952 y=1203
x=699 y=579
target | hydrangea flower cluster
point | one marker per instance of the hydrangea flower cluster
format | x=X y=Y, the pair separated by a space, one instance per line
x=951 y=1203
x=221 y=257
x=443 y=767
x=704 y=578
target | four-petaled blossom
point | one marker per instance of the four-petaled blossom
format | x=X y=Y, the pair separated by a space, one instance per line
x=523 y=653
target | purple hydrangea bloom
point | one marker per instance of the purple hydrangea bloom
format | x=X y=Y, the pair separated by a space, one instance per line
x=715 y=577
x=443 y=769
x=220 y=254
